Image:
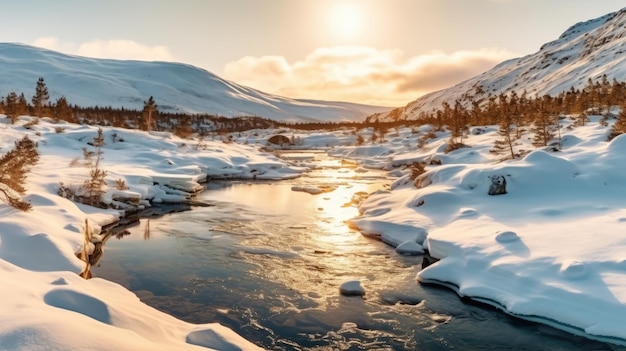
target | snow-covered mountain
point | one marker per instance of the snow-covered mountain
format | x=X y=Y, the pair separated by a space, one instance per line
x=176 y=87
x=586 y=50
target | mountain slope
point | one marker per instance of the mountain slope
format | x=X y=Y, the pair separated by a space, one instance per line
x=176 y=87
x=586 y=50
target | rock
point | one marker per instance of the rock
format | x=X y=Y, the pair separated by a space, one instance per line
x=506 y=237
x=279 y=140
x=410 y=248
x=428 y=260
x=498 y=185
x=352 y=288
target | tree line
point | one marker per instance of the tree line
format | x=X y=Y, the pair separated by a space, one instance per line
x=514 y=114
x=519 y=109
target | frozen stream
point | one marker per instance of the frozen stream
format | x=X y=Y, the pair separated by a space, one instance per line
x=268 y=261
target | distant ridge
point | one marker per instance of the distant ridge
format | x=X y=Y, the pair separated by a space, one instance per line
x=176 y=87
x=586 y=50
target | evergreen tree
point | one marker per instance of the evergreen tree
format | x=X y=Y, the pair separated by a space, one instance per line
x=183 y=128
x=581 y=119
x=149 y=114
x=544 y=123
x=492 y=112
x=359 y=140
x=40 y=99
x=14 y=166
x=62 y=110
x=617 y=94
x=94 y=185
x=10 y=108
x=603 y=92
x=21 y=108
x=461 y=116
x=476 y=114
x=505 y=143
x=619 y=127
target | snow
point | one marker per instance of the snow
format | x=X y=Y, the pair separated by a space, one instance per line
x=550 y=250
x=352 y=287
x=175 y=87
x=45 y=304
x=585 y=51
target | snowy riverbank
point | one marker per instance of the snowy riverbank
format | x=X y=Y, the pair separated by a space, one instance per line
x=550 y=250
x=45 y=304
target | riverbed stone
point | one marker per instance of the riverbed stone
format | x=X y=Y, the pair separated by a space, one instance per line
x=498 y=185
x=352 y=288
x=410 y=248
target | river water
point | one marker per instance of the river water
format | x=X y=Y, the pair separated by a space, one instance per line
x=268 y=261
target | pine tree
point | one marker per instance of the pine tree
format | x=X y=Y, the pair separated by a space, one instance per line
x=581 y=119
x=505 y=144
x=459 y=118
x=619 y=127
x=10 y=108
x=603 y=93
x=359 y=140
x=516 y=110
x=62 y=110
x=94 y=185
x=149 y=113
x=492 y=112
x=21 y=108
x=14 y=166
x=543 y=129
x=183 y=129
x=40 y=99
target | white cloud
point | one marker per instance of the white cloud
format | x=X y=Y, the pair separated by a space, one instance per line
x=122 y=49
x=362 y=74
x=54 y=43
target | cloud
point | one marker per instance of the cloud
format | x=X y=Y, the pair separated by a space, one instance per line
x=122 y=49
x=362 y=74
x=54 y=43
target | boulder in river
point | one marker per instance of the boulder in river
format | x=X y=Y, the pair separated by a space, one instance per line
x=352 y=288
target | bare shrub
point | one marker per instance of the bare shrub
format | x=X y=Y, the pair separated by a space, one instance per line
x=66 y=192
x=417 y=175
x=84 y=255
x=453 y=146
x=14 y=166
x=417 y=169
x=120 y=184
x=75 y=162
x=422 y=181
x=425 y=138
x=95 y=184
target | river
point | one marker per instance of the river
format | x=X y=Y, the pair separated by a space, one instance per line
x=268 y=261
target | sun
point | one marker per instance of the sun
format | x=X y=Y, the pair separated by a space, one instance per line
x=346 y=20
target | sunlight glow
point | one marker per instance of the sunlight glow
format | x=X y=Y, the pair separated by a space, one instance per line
x=346 y=20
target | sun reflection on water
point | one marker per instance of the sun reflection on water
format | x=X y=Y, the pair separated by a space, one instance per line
x=317 y=251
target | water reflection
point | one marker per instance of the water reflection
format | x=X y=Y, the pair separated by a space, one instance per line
x=267 y=262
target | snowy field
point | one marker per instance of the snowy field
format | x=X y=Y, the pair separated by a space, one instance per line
x=44 y=304
x=550 y=250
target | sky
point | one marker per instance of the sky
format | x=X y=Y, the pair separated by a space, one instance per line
x=380 y=52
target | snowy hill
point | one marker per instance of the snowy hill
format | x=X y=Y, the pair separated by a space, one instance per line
x=586 y=50
x=176 y=87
